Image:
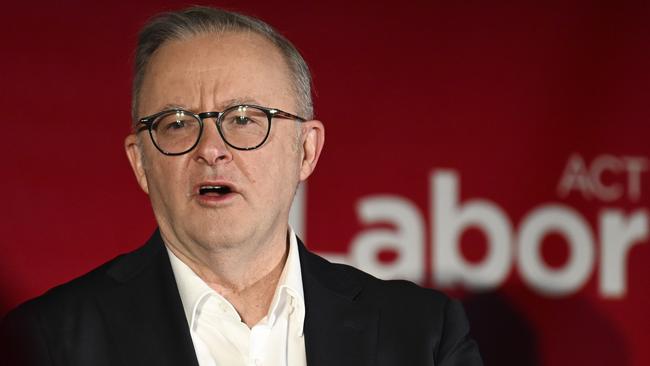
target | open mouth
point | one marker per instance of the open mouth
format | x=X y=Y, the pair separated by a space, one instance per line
x=214 y=190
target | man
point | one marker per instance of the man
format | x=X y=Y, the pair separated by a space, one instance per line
x=223 y=134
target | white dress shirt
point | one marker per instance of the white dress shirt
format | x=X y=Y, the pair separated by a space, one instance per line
x=221 y=338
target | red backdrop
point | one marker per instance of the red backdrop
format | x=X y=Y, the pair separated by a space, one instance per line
x=498 y=151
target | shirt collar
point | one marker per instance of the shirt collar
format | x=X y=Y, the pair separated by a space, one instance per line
x=289 y=291
x=191 y=288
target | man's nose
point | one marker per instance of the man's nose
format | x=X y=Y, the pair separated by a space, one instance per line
x=211 y=147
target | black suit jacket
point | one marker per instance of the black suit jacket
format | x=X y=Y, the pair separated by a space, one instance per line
x=129 y=312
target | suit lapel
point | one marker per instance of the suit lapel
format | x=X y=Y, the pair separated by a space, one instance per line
x=147 y=323
x=144 y=312
x=338 y=329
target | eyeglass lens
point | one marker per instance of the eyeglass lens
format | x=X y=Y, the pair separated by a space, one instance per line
x=242 y=127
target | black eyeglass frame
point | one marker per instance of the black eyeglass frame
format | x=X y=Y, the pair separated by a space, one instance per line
x=270 y=114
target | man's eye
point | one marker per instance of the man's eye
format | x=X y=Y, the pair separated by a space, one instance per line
x=176 y=125
x=241 y=120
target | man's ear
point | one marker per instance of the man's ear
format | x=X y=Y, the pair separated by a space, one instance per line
x=312 y=141
x=134 y=153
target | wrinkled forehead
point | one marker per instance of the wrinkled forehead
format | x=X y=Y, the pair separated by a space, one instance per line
x=204 y=70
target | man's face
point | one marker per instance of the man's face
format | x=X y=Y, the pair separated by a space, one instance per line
x=210 y=73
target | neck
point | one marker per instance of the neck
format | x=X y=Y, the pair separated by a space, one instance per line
x=245 y=275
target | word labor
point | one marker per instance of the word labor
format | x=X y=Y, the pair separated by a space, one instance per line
x=617 y=231
x=590 y=180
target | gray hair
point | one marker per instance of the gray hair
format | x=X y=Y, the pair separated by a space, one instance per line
x=201 y=20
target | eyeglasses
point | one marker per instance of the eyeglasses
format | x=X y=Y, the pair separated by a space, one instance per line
x=243 y=127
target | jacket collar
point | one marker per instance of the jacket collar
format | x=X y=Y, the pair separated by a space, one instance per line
x=144 y=310
x=148 y=324
x=340 y=329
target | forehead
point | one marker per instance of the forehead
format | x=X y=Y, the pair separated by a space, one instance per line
x=209 y=70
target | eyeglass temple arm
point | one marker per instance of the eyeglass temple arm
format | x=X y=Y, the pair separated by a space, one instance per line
x=283 y=114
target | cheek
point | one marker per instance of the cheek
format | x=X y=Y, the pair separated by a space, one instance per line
x=285 y=172
x=165 y=179
x=272 y=173
x=274 y=164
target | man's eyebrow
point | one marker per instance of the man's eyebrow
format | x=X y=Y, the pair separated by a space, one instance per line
x=223 y=105
x=238 y=101
x=173 y=106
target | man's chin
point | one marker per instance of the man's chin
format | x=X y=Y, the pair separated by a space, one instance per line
x=219 y=237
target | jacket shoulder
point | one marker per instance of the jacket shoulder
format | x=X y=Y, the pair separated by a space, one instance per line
x=411 y=316
x=28 y=331
x=384 y=292
x=69 y=297
x=74 y=290
x=398 y=295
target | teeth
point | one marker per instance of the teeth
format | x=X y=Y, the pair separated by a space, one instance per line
x=214 y=189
